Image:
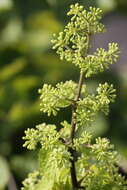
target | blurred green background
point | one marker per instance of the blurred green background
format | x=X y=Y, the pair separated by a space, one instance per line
x=27 y=62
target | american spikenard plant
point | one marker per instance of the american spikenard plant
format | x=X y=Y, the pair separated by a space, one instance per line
x=69 y=159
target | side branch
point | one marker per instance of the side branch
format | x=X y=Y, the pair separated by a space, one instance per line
x=79 y=86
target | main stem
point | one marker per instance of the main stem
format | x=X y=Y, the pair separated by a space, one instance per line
x=74 y=107
x=73 y=126
x=75 y=183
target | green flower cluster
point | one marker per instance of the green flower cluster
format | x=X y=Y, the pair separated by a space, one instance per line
x=73 y=43
x=54 y=158
x=95 y=164
x=44 y=134
x=31 y=181
x=89 y=106
x=52 y=99
x=69 y=158
x=97 y=169
x=93 y=64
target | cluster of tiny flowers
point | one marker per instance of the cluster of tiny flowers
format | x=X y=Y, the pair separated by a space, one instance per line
x=78 y=162
x=52 y=99
x=89 y=106
x=73 y=43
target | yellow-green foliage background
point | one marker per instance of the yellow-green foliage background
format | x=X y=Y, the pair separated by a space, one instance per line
x=27 y=62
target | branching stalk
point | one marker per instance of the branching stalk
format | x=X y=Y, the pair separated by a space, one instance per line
x=62 y=151
x=73 y=126
x=75 y=183
x=74 y=107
